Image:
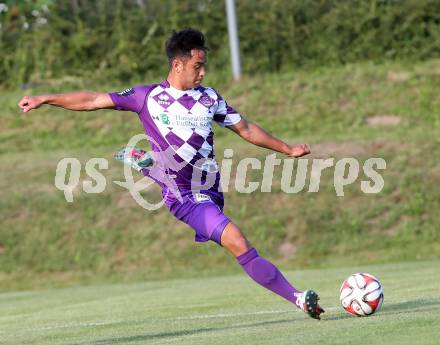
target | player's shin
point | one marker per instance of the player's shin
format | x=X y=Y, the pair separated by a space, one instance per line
x=266 y=274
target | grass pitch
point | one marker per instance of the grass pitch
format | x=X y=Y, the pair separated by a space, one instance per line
x=225 y=310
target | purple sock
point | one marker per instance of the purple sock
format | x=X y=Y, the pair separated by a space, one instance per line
x=266 y=274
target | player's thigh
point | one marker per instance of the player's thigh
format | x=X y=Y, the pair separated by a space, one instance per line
x=234 y=240
x=205 y=218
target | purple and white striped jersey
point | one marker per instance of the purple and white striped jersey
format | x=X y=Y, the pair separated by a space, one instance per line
x=179 y=127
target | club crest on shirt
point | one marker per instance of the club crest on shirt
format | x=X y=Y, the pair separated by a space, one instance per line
x=206 y=101
x=127 y=92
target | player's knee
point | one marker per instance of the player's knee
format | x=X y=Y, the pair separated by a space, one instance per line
x=237 y=246
x=233 y=240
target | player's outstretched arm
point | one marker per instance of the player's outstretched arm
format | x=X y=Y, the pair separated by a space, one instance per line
x=258 y=136
x=80 y=101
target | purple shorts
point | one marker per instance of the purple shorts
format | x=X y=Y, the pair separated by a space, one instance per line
x=204 y=213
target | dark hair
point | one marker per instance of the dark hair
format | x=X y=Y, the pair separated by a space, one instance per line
x=181 y=43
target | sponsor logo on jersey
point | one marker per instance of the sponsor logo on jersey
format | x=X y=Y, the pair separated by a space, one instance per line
x=202 y=197
x=164 y=119
x=172 y=120
x=127 y=92
x=163 y=99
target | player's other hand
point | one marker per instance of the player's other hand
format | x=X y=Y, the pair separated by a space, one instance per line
x=299 y=150
x=28 y=103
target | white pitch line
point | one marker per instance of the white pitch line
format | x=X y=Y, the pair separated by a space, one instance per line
x=263 y=312
x=80 y=324
x=180 y=318
x=71 y=325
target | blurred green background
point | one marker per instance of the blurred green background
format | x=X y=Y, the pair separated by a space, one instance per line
x=122 y=40
x=352 y=78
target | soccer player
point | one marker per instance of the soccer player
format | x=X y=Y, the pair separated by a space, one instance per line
x=178 y=115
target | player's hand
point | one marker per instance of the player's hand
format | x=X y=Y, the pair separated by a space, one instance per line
x=28 y=103
x=299 y=150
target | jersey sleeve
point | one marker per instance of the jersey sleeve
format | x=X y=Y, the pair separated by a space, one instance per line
x=225 y=115
x=131 y=99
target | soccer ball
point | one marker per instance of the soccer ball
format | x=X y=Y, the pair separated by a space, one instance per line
x=361 y=294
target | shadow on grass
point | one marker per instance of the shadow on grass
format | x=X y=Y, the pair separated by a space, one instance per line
x=145 y=337
x=418 y=305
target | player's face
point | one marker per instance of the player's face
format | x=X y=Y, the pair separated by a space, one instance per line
x=193 y=69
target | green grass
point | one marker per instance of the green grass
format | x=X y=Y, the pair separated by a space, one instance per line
x=47 y=242
x=319 y=104
x=225 y=310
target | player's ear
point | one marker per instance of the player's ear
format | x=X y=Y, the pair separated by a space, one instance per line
x=177 y=65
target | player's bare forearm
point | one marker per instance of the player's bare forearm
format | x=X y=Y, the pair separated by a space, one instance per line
x=79 y=101
x=258 y=136
x=82 y=101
